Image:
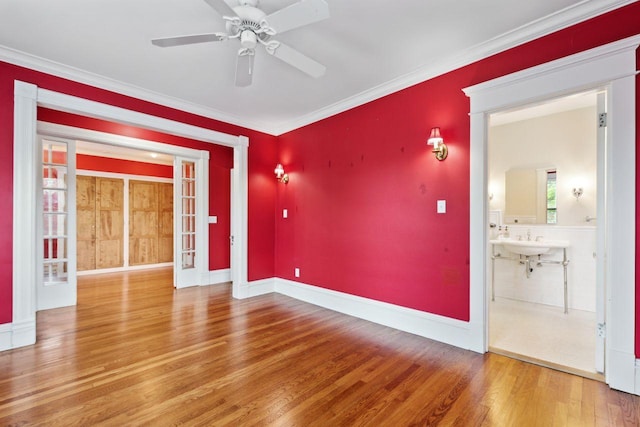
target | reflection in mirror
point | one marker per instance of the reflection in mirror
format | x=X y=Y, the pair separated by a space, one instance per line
x=530 y=196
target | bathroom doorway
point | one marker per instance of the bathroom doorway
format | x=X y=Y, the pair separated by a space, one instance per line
x=545 y=181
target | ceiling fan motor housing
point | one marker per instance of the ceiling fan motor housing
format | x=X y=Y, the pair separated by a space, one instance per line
x=248 y=39
x=250 y=18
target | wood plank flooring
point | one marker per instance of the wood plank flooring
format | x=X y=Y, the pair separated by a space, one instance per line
x=137 y=352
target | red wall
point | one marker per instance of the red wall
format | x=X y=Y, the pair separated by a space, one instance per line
x=363 y=189
x=262 y=156
x=364 y=185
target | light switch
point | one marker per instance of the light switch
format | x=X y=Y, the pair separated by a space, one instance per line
x=442 y=206
x=213 y=219
x=285 y=213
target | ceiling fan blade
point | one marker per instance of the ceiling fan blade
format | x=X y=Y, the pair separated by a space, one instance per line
x=298 y=14
x=221 y=7
x=196 y=38
x=296 y=59
x=244 y=67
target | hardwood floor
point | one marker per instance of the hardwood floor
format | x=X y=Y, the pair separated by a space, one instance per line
x=137 y=352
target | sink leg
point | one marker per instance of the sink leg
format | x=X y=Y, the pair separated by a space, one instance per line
x=493 y=272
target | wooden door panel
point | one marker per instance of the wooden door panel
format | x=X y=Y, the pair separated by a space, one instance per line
x=109 y=222
x=109 y=253
x=165 y=230
x=143 y=222
x=143 y=195
x=86 y=222
x=111 y=225
x=143 y=251
x=86 y=258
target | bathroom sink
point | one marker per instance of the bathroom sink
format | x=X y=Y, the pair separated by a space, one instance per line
x=530 y=247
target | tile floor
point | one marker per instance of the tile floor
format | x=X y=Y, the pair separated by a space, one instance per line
x=543 y=333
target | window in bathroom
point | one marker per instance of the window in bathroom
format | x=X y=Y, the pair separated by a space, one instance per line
x=552 y=211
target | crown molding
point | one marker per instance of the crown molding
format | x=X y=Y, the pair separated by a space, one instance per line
x=564 y=18
x=57 y=69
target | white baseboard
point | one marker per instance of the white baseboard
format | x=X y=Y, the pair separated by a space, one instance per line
x=256 y=288
x=123 y=269
x=637 y=378
x=622 y=371
x=14 y=335
x=6 y=332
x=219 y=276
x=432 y=326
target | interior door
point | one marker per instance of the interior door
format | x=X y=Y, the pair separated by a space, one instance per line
x=86 y=219
x=56 y=225
x=601 y=221
x=186 y=257
x=109 y=222
x=143 y=222
x=165 y=222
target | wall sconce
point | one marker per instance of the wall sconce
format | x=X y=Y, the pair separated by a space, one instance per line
x=439 y=147
x=577 y=192
x=280 y=175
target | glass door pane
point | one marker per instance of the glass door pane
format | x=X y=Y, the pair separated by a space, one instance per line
x=55 y=211
x=188 y=203
x=56 y=226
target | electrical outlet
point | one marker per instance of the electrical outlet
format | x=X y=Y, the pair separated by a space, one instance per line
x=442 y=206
x=296 y=272
x=285 y=213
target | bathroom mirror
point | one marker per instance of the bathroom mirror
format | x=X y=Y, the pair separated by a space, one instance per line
x=530 y=196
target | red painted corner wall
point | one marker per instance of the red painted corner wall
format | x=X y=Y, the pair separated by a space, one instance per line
x=364 y=186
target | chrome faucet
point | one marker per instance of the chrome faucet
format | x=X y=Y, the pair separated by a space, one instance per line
x=528 y=235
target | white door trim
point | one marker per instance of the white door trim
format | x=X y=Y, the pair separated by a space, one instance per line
x=27 y=97
x=612 y=66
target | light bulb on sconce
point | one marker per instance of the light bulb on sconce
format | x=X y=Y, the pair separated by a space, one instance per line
x=280 y=175
x=577 y=192
x=439 y=147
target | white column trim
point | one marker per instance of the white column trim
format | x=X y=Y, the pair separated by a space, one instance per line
x=240 y=221
x=24 y=278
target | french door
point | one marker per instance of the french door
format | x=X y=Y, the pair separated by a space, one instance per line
x=55 y=224
x=188 y=258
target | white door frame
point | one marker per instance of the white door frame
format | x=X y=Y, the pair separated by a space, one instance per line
x=27 y=97
x=612 y=66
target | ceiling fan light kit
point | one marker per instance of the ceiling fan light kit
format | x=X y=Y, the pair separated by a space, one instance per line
x=252 y=27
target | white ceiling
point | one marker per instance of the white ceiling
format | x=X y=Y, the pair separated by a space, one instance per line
x=370 y=47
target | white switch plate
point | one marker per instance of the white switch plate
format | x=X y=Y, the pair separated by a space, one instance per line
x=213 y=219
x=296 y=272
x=442 y=206
x=284 y=213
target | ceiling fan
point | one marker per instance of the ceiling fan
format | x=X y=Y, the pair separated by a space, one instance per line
x=253 y=27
